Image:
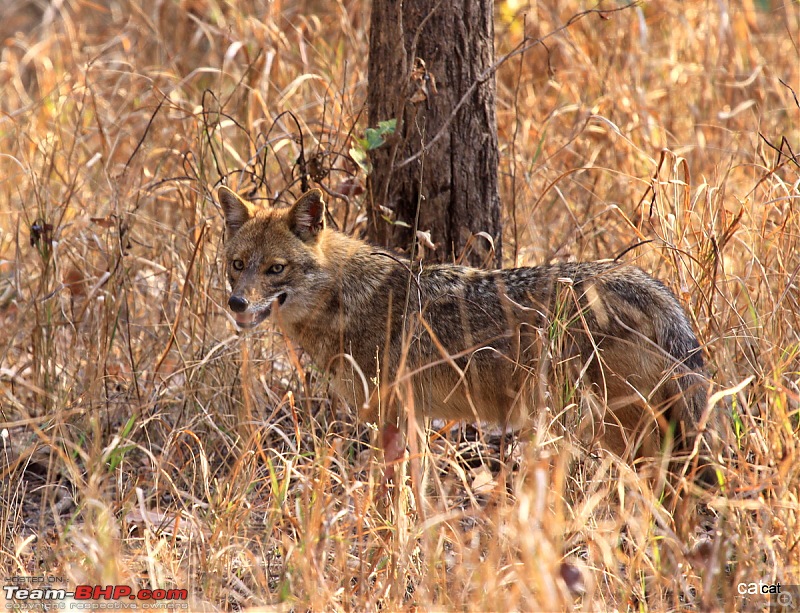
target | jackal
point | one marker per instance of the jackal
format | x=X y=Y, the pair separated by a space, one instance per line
x=473 y=344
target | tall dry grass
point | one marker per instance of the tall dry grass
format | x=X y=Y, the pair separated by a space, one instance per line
x=147 y=443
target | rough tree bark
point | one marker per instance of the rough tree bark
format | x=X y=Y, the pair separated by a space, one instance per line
x=454 y=180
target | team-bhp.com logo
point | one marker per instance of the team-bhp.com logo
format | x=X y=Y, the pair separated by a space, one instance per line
x=82 y=597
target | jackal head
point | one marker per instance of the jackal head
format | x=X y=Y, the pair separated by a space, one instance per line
x=272 y=255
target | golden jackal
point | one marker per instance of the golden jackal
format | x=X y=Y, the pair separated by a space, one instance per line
x=476 y=344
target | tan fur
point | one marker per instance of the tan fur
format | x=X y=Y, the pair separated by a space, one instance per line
x=477 y=343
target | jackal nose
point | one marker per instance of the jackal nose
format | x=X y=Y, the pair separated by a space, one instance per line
x=237 y=304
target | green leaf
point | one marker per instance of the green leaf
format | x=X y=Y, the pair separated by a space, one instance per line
x=116 y=457
x=387 y=127
x=126 y=430
x=375 y=136
x=359 y=156
x=374 y=139
x=402 y=224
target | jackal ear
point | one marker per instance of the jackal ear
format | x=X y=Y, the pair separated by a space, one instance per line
x=307 y=215
x=237 y=211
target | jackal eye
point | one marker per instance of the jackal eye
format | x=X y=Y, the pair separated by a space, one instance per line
x=275 y=269
x=237 y=265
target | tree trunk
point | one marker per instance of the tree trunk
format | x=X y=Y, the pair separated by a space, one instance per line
x=454 y=180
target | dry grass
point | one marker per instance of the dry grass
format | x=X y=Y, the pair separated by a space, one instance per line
x=146 y=443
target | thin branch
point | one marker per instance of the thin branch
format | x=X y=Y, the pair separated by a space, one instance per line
x=522 y=47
